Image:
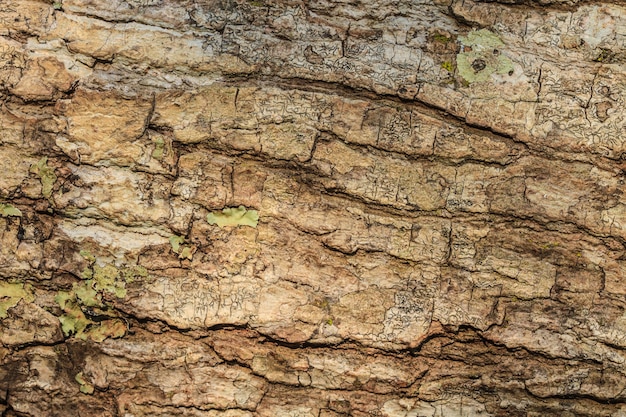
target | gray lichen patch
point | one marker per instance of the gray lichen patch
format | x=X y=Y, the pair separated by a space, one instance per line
x=481 y=56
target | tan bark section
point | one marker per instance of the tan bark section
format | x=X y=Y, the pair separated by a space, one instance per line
x=439 y=191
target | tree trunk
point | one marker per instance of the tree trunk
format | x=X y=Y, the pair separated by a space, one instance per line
x=312 y=208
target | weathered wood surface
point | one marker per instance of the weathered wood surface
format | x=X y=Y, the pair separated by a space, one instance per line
x=440 y=198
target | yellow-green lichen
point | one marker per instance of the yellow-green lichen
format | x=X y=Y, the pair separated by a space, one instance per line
x=11 y=294
x=132 y=273
x=85 y=387
x=239 y=216
x=86 y=312
x=74 y=321
x=605 y=55
x=46 y=176
x=439 y=37
x=550 y=245
x=107 y=278
x=186 y=253
x=87 y=294
x=448 y=66
x=176 y=241
x=87 y=255
x=183 y=251
x=159 y=148
x=482 y=38
x=114 y=329
x=87 y=273
x=113 y=280
x=7 y=210
x=481 y=56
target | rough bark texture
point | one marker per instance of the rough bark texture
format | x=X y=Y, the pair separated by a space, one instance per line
x=440 y=198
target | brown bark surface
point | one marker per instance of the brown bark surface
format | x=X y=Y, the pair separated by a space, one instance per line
x=236 y=208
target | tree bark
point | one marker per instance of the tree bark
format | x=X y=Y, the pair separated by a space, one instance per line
x=312 y=208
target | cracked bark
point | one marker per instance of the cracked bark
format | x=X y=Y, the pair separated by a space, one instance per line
x=431 y=241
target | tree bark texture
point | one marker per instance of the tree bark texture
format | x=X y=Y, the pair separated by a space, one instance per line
x=312 y=208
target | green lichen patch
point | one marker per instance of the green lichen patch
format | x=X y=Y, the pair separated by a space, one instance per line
x=7 y=210
x=183 y=251
x=239 y=216
x=87 y=273
x=176 y=241
x=114 y=329
x=481 y=56
x=159 y=148
x=87 y=310
x=482 y=39
x=606 y=56
x=11 y=294
x=86 y=316
x=133 y=273
x=62 y=298
x=107 y=279
x=440 y=37
x=87 y=255
x=73 y=322
x=112 y=280
x=187 y=252
x=46 y=176
x=85 y=387
x=87 y=294
x=448 y=66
